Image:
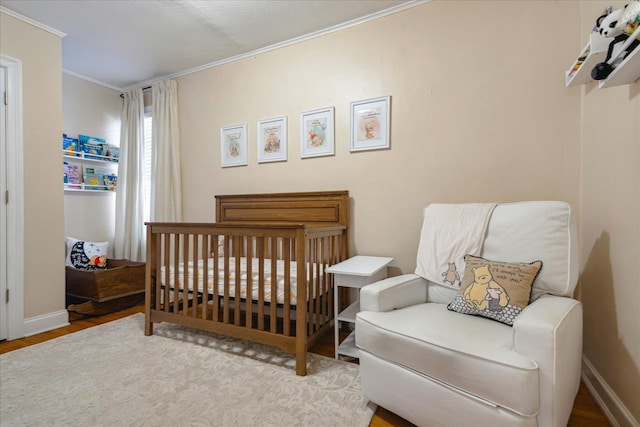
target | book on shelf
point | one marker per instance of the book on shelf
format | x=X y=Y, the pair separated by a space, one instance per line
x=97 y=178
x=92 y=147
x=98 y=149
x=70 y=146
x=72 y=175
x=111 y=181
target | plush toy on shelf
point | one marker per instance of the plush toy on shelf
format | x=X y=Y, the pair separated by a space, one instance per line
x=618 y=25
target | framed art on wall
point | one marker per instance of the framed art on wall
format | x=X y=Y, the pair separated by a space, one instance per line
x=317 y=133
x=370 y=124
x=272 y=140
x=233 y=145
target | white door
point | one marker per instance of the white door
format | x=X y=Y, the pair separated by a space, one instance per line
x=3 y=205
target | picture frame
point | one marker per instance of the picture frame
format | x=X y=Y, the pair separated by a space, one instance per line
x=272 y=140
x=317 y=136
x=233 y=145
x=370 y=124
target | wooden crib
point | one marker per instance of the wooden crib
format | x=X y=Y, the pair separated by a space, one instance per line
x=257 y=273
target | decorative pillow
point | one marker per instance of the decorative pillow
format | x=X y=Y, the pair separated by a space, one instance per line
x=493 y=289
x=86 y=255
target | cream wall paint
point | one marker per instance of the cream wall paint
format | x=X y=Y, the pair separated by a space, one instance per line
x=94 y=110
x=40 y=53
x=610 y=230
x=478 y=114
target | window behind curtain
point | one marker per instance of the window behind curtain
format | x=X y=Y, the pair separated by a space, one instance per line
x=148 y=130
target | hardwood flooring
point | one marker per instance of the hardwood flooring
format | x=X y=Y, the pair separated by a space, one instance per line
x=585 y=413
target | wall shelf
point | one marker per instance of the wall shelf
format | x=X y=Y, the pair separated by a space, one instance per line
x=593 y=53
x=89 y=157
x=91 y=161
x=626 y=72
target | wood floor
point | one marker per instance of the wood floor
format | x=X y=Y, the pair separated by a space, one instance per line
x=585 y=411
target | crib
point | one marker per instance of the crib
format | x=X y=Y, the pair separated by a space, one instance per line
x=257 y=273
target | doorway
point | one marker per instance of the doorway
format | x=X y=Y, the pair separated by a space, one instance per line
x=11 y=201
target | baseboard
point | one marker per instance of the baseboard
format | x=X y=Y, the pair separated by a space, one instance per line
x=606 y=398
x=46 y=322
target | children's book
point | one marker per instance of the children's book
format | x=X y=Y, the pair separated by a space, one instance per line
x=111 y=152
x=111 y=181
x=70 y=146
x=72 y=175
x=94 y=177
x=92 y=147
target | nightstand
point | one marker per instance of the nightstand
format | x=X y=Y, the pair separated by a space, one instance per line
x=355 y=272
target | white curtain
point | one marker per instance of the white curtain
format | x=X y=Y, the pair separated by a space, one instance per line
x=130 y=238
x=166 y=192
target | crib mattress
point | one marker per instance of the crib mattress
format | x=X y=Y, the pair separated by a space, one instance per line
x=255 y=284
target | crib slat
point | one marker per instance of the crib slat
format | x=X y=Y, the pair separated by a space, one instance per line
x=274 y=285
x=260 y=247
x=249 y=305
x=238 y=272
x=167 y=286
x=286 y=253
x=309 y=284
x=176 y=273
x=205 y=274
x=216 y=278
x=225 y=303
x=194 y=275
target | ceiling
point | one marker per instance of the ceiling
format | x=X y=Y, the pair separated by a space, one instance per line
x=124 y=44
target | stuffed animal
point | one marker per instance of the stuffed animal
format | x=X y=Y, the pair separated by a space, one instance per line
x=607 y=25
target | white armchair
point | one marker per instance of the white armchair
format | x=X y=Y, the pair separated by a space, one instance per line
x=438 y=367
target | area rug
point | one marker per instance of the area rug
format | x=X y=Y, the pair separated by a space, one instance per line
x=112 y=375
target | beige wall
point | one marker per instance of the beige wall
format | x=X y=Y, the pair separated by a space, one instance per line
x=610 y=231
x=40 y=53
x=479 y=113
x=94 y=110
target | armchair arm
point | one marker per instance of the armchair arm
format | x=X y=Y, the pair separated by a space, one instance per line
x=549 y=331
x=394 y=292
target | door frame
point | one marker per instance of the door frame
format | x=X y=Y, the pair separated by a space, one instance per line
x=15 y=208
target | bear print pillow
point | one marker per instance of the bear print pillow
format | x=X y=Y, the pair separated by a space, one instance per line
x=86 y=255
x=493 y=289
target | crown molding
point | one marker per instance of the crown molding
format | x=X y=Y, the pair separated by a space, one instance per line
x=335 y=28
x=32 y=22
x=89 y=79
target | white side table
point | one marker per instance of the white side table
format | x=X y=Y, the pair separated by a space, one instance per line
x=354 y=273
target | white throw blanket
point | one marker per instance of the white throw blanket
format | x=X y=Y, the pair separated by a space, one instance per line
x=449 y=232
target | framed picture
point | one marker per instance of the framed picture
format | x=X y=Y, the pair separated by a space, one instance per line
x=317 y=133
x=370 y=124
x=233 y=145
x=272 y=140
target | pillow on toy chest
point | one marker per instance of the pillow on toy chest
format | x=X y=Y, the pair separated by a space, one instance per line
x=86 y=255
x=493 y=289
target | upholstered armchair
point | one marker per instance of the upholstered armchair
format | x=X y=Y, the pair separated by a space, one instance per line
x=425 y=358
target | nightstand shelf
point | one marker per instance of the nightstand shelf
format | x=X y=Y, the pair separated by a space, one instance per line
x=355 y=272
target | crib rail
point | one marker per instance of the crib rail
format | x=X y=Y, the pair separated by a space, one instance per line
x=263 y=282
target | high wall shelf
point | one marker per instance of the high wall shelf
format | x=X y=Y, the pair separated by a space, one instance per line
x=89 y=161
x=626 y=72
x=593 y=53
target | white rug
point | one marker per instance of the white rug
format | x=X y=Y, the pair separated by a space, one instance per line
x=112 y=375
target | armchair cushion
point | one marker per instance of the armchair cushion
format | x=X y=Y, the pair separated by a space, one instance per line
x=469 y=354
x=493 y=289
